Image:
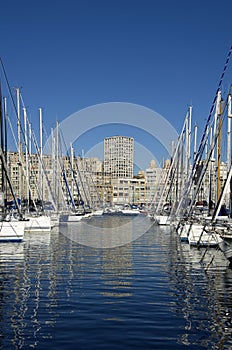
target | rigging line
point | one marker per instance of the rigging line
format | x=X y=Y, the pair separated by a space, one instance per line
x=15 y=141
x=12 y=98
x=11 y=95
x=215 y=98
x=8 y=85
x=34 y=139
x=202 y=142
x=60 y=163
x=1 y=139
x=43 y=168
x=64 y=170
x=80 y=197
x=206 y=163
x=9 y=181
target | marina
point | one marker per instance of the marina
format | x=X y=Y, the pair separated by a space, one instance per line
x=115 y=222
x=94 y=257
x=154 y=292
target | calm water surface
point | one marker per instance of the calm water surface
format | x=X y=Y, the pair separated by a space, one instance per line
x=152 y=293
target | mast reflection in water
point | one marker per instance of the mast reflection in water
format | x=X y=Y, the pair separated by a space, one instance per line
x=152 y=293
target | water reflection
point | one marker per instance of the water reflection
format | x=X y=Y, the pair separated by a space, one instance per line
x=21 y=307
x=106 y=231
x=117 y=271
x=198 y=279
x=11 y=258
x=153 y=292
x=11 y=252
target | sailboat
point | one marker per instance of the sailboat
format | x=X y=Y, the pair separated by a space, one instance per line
x=36 y=222
x=12 y=224
x=175 y=175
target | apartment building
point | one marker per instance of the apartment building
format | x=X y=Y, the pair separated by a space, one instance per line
x=119 y=156
x=129 y=191
x=154 y=176
x=85 y=178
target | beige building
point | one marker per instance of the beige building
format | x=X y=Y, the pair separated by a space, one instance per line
x=154 y=176
x=91 y=182
x=119 y=156
x=129 y=191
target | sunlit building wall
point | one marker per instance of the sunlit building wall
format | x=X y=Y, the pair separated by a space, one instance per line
x=119 y=156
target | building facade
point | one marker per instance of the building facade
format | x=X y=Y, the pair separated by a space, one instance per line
x=129 y=191
x=119 y=156
x=154 y=176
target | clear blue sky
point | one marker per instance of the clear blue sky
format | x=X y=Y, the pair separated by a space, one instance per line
x=68 y=55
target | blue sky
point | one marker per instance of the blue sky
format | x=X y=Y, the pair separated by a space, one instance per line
x=69 y=55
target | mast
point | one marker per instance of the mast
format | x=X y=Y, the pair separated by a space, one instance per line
x=19 y=146
x=195 y=143
x=211 y=162
x=41 y=152
x=4 y=168
x=72 y=167
x=26 y=155
x=57 y=185
x=186 y=144
x=5 y=139
x=189 y=138
x=53 y=162
x=1 y=140
x=222 y=195
x=229 y=116
x=2 y=200
x=31 y=197
x=219 y=149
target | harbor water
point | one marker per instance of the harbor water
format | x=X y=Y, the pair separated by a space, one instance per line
x=150 y=292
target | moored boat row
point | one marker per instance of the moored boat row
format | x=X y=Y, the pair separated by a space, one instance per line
x=196 y=196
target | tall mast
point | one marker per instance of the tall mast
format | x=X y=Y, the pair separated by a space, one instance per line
x=2 y=157
x=211 y=162
x=53 y=162
x=188 y=141
x=19 y=145
x=72 y=168
x=41 y=152
x=189 y=135
x=219 y=149
x=186 y=144
x=229 y=115
x=5 y=138
x=26 y=155
x=195 y=142
x=57 y=184
x=5 y=127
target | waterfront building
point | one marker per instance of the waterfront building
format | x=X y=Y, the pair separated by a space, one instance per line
x=82 y=177
x=97 y=185
x=154 y=176
x=119 y=156
x=129 y=191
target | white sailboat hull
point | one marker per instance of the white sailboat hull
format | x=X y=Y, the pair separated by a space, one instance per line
x=74 y=218
x=12 y=231
x=38 y=224
x=183 y=232
x=162 y=219
x=130 y=212
x=200 y=236
x=67 y=218
x=98 y=212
